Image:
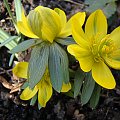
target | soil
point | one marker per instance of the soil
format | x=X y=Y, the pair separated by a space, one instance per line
x=60 y=107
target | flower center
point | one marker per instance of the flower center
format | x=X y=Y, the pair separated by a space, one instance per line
x=107 y=49
x=107 y=46
x=101 y=48
x=95 y=50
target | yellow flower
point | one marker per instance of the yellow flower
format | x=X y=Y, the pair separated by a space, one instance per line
x=46 y=24
x=95 y=49
x=44 y=87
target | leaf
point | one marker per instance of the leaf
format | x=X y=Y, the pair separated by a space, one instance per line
x=18 y=9
x=108 y=11
x=70 y=94
x=58 y=66
x=39 y=106
x=24 y=85
x=87 y=89
x=103 y=1
x=64 y=63
x=8 y=40
x=78 y=81
x=24 y=46
x=55 y=68
x=3 y=36
x=11 y=59
x=95 y=96
x=38 y=63
x=94 y=5
x=88 y=2
x=105 y=5
x=66 y=41
x=33 y=100
x=10 y=13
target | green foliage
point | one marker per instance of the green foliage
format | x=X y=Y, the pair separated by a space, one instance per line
x=78 y=81
x=108 y=11
x=18 y=10
x=33 y=100
x=9 y=41
x=11 y=38
x=105 y=5
x=3 y=35
x=88 y=87
x=25 y=45
x=95 y=96
x=9 y=11
x=5 y=39
x=25 y=85
x=11 y=59
x=66 y=41
x=58 y=66
x=39 y=106
x=64 y=63
x=38 y=63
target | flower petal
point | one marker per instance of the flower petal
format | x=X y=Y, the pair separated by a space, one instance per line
x=51 y=25
x=79 y=18
x=86 y=63
x=67 y=30
x=84 y=56
x=102 y=75
x=45 y=89
x=24 y=28
x=44 y=94
x=115 y=54
x=66 y=87
x=28 y=93
x=96 y=24
x=115 y=36
x=20 y=70
x=78 y=33
x=35 y=22
x=62 y=16
x=112 y=62
x=77 y=51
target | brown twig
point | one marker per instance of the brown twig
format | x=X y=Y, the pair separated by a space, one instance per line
x=5 y=71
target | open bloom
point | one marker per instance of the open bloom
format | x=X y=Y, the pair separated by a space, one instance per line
x=95 y=49
x=46 y=24
x=44 y=87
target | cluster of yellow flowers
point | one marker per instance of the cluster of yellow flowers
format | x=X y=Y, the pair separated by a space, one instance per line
x=94 y=49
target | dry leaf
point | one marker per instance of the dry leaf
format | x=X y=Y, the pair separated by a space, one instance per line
x=5 y=83
x=13 y=87
x=16 y=87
